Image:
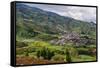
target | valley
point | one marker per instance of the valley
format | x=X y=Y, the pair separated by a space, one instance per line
x=44 y=37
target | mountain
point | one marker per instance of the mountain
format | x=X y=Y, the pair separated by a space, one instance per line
x=32 y=21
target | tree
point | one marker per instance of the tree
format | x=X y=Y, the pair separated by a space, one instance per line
x=68 y=56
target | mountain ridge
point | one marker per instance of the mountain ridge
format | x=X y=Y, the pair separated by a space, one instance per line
x=35 y=19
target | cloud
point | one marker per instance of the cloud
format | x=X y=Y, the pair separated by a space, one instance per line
x=76 y=12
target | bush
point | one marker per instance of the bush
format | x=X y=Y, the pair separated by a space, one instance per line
x=83 y=51
x=58 y=58
x=26 y=54
x=46 y=53
x=21 y=44
x=31 y=49
x=59 y=51
x=20 y=50
x=72 y=50
x=87 y=51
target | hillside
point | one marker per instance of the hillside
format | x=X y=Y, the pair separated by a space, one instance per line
x=31 y=20
x=44 y=37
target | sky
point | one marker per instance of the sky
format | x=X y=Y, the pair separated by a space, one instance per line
x=80 y=13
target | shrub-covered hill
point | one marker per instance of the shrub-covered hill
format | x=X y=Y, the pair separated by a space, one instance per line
x=32 y=21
